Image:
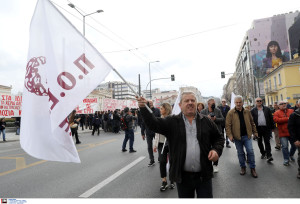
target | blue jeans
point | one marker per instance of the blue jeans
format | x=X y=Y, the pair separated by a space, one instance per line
x=3 y=134
x=247 y=143
x=285 y=148
x=129 y=135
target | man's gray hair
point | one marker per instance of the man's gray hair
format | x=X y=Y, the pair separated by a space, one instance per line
x=238 y=97
x=210 y=99
x=187 y=93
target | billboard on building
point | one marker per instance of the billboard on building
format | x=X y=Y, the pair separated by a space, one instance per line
x=270 y=43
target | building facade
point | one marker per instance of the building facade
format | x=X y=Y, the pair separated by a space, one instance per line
x=120 y=90
x=256 y=59
x=283 y=83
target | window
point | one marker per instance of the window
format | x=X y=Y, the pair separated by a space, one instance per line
x=281 y=97
x=279 y=79
x=277 y=98
x=271 y=100
x=270 y=84
x=275 y=83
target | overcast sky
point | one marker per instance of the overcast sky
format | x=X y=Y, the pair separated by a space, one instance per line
x=194 y=40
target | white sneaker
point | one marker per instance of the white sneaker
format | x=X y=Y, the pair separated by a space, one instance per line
x=216 y=170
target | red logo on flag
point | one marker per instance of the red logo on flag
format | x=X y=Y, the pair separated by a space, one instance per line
x=33 y=80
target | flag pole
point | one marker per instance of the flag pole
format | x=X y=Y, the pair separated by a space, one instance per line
x=130 y=87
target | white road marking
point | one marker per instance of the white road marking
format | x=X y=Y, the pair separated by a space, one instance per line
x=96 y=188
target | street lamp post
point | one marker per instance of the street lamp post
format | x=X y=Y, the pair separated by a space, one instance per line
x=73 y=6
x=150 y=77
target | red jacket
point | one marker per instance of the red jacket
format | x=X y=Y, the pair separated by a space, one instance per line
x=281 y=117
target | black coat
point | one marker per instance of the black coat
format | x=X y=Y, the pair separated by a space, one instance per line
x=144 y=128
x=173 y=127
x=294 y=125
x=268 y=115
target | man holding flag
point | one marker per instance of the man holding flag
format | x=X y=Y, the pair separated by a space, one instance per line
x=194 y=142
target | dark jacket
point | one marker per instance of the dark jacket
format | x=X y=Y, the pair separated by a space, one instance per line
x=173 y=127
x=96 y=120
x=129 y=121
x=294 y=125
x=268 y=116
x=144 y=128
x=219 y=117
x=2 y=125
x=224 y=112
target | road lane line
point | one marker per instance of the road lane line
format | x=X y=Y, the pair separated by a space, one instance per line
x=96 y=188
x=21 y=164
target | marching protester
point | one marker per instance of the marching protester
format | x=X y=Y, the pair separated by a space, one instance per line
x=96 y=123
x=200 y=107
x=74 y=125
x=215 y=115
x=82 y=121
x=194 y=142
x=2 y=128
x=263 y=120
x=129 y=133
x=294 y=130
x=275 y=130
x=116 y=122
x=150 y=134
x=105 y=121
x=161 y=145
x=224 y=110
x=281 y=117
x=239 y=128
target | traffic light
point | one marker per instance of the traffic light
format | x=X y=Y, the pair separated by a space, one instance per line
x=222 y=74
x=172 y=77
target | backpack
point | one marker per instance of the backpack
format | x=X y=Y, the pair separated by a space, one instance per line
x=123 y=123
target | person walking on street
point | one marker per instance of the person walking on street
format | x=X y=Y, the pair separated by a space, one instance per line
x=281 y=117
x=2 y=128
x=224 y=110
x=275 y=130
x=194 y=142
x=294 y=130
x=96 y=123
x=263 y=120
x=239 y=128
x=215 y=115
x=73 y=121
x=150 y=134
x=161 y=145
x=129 y=133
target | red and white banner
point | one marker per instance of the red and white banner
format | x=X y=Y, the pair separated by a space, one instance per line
x=113 y=104
x=10 y=106
x=62 y=69
x=88 y=106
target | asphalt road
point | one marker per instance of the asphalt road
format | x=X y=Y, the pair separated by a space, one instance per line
x=106 y=172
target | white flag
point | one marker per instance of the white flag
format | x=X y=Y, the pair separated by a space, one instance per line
x=62 y=69
x=176 y=109
x=232 y=105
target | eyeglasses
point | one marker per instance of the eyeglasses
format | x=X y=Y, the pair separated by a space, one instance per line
x=259 y=101
x=282 y=103
x=223 y=101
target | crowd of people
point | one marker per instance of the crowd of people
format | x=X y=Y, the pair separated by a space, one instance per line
x=192 y=141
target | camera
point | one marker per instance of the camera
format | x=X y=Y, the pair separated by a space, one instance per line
x=212 y=115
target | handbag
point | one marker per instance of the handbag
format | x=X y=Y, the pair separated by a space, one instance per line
x=73 y=125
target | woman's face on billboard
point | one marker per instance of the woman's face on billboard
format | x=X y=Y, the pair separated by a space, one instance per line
x=273 y=49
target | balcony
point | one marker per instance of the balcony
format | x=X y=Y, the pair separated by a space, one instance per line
x=271 y=90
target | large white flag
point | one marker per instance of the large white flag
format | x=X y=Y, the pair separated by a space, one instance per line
x=62 y=69
x=176 y=109
x=232 y=105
